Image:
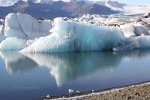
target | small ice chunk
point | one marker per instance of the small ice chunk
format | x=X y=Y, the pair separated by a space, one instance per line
x=128 y=30
x=70 y=91
x=141 y=29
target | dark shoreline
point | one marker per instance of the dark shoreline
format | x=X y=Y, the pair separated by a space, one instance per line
x=95 y=92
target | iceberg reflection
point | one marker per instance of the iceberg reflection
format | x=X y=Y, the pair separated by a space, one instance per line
x=70 y=66
x=16 y=62
x=65 y=67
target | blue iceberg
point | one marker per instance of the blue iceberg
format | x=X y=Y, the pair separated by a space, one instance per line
x=69 y=36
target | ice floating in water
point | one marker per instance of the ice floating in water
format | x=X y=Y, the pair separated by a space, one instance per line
x=1 y=29
x=128 y=30
x=24 y=26
x=69 y=36
x=12 y=43
x=141 y=29
x=140 y=42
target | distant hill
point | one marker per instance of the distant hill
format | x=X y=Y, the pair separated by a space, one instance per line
x=56 y=9
x=115 y=4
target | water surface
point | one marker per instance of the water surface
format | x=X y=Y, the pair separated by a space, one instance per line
x=34 y=75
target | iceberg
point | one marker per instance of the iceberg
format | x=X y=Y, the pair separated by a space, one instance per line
x=2 y=37
x=139 y=42
x=23 y=33
x=25 y=26
x=12 y=43
x=132 y=30
x=128 y=30
x=69 y=36
x=141 y=30
x=1 y=29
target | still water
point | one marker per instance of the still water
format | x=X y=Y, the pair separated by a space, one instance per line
x=34 y=75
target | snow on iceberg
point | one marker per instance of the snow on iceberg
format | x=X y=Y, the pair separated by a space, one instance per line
x=70 y=36
x=25 y=26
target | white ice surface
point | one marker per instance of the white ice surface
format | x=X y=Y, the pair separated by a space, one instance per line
x=12 y=43
x=69 y=36
x=25 y=26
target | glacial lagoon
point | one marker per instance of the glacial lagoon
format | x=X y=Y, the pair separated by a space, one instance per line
x=34 y=75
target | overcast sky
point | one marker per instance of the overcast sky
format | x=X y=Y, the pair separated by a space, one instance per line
x=139 y=2
x=136 y=1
